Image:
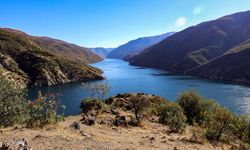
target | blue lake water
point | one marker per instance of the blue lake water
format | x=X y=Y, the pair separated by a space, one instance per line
x=123 y=78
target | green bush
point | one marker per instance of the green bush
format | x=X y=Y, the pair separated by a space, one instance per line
x=242 y=128
x=139 y=104
x=90 y=104
x=196 y=108
x=43 y=111
x=221 y=121
x=13 y=105
x=172 y=114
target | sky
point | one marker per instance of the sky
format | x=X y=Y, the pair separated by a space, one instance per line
x=110 y=23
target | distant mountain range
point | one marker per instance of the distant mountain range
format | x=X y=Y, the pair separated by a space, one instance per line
x=28 y=60
x=101 y=51
x=217 y=49
x=136 y=46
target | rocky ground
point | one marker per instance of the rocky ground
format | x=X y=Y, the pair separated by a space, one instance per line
x=72 y=134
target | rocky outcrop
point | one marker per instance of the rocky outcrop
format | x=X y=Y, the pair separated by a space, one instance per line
x=27 y=64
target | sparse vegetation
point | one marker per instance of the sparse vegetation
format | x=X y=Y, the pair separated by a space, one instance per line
x=33 y=64
x=97 y=90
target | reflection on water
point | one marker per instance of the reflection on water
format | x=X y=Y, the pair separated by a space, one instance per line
x=124 y=78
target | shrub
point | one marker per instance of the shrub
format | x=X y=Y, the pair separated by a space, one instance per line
x=139 y=104
x=242 y=128
x=43 y=111
x=13 y=105
x=221 y=121
x=196 y=108
x=89 y=104
x=172 y=114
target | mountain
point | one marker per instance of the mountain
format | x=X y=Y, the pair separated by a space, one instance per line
x=136 y=46
x=26 y=63
x=101 y=51
x=203 y=47
x=231 y=66
x=60 y=48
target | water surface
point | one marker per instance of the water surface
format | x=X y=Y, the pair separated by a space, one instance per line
x=124 y=78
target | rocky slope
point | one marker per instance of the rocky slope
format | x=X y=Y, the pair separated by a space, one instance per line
x=25 y=62
x=101 y=51
x=136 y=46
x=198 y=45
x=231 y=66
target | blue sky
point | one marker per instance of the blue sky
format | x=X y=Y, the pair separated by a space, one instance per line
x=110 y=23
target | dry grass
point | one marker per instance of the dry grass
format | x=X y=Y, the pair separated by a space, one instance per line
x=148 y=137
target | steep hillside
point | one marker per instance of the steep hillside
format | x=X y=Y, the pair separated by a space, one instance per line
x=24 y=62
x=136 y=46
x=101 y=51
x=232 y=66
x=196 y=45
x=60 y=48
x=67 y=50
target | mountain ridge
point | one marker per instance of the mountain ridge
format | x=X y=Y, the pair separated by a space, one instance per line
x=198 y=45
x=137 y=45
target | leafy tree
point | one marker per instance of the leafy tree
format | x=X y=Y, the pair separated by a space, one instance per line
x=13 y=105
x=220 y=122
x=242 y=128
x=196 y=108
x=172 y=114
x=139 y=104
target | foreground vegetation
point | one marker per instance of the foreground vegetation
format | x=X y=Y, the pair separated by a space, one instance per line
x=213 y=123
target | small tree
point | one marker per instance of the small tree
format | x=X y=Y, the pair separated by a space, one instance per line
x=97 y=94
x=172 y=114
x=43 y=111
x=196 y=108
x=221 y=121
x=139 y=104
x=13 y=105
x=242 y=128
x=97 y=91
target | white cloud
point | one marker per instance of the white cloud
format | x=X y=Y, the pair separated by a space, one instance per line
x=198 y=9
x=181 y=21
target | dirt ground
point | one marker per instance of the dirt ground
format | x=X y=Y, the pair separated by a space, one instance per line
x=152 y=136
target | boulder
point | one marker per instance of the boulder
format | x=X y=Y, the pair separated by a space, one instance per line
x=15 y=145
x=120 y=121
x=75 y=126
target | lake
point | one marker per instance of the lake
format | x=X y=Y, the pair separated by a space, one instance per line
x=123 y=78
